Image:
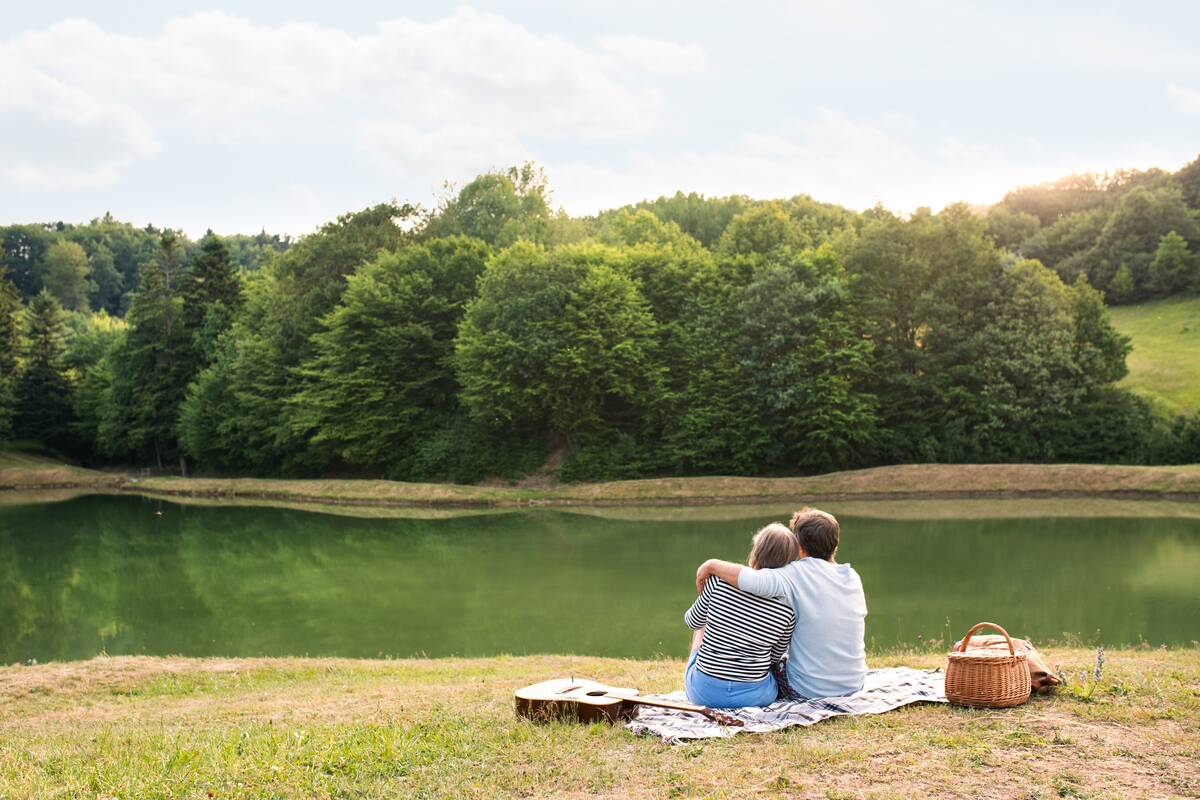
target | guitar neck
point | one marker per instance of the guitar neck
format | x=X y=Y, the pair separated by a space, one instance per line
x=648 y=701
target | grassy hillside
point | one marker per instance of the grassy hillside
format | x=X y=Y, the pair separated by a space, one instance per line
x=28 y=471
x=1165 y=363
x=322 y=728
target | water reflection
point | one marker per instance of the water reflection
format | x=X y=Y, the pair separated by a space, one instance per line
x=105 y=574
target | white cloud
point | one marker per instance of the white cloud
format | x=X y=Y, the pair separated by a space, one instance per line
x=55 y=136
x=477 y=82
x=655 y=55
x=1186 y=100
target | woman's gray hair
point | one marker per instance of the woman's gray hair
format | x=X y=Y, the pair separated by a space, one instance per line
x=773 y=546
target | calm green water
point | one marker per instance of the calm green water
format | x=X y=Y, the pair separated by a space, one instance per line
x=105 y=574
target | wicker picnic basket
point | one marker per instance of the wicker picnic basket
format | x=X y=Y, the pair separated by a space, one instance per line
x=985 y=678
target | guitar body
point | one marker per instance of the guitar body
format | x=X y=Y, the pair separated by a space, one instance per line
x=581 y=700
x=574 y=699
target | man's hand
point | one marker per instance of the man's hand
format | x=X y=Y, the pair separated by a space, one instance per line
x=724 y=570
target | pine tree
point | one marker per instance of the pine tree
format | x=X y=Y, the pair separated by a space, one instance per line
x=211 y=294
x=43 y=393
x=147 y=381
x=10 y=307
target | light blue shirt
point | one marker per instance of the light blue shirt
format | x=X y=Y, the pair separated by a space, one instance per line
x=827 y=657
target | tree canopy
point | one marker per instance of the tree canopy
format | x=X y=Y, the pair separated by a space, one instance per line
x=494 y=335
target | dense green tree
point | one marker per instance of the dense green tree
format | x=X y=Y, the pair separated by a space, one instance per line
x=22 y=248
x=1010 y=228
x=627 y=228
x=820 y=222
x=899 y=266
x=1093 y=225
x=1175 y=267
x=1183 y=442
x=974 y=357
x=805 y=364
x=672 y=270
x=498 y=208
x=116 y=251
x=711 y=426
x=108 y=284
x=94 y=337
x=1188 y=179
x=235 y=416
x=1066 y=245
x=1131 y=235
x=762 y=230
x=702 y=218
x=381 y=373
x=1028 y=373
x=1122 y=288
x=562 y=340
x=43 y=391
x=64 y=272
x=253 y=252
x=684 y=334
x=1052 y=200
x=1100 y=350
x=231 y=416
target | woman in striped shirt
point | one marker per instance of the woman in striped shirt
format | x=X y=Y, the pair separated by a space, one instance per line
x=744 y=635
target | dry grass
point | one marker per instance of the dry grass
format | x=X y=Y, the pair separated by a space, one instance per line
x=23 y=471
x=148 y=727
x=20 y=472
x=896 y=482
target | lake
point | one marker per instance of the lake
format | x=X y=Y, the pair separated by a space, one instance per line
x=106 y=574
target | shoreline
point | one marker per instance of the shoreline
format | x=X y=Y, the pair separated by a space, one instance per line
x=30 y=474
x=697 y=501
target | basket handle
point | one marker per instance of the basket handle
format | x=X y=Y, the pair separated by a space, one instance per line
x=967 y=639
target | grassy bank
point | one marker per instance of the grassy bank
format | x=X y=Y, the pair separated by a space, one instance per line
x=143 y=727
x=24 y=471
x=898 y=482
x=1166 y=338
x=913 y=481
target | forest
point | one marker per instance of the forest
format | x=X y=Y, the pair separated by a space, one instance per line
x=494 y=336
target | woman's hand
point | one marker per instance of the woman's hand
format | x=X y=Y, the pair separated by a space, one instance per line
x=702 y=573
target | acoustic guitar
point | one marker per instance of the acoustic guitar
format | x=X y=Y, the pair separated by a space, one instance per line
x=582 y=700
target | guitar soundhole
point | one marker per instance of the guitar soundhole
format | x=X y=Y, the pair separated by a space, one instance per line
x=596 y=694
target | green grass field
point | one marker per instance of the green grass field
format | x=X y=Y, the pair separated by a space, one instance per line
x=334 y=728
x=1165 y=363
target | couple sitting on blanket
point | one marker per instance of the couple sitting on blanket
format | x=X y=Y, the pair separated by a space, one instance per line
x=794 y=613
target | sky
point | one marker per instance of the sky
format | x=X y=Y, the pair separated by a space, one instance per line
x=282 y=115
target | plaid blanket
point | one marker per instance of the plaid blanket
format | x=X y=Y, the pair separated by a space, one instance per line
x=883 y=690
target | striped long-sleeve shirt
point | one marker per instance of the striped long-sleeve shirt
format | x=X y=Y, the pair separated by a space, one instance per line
x=744 y=634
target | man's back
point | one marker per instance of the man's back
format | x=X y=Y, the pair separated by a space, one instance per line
x=827 y=657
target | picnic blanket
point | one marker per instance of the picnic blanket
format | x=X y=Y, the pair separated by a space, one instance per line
x=883 y=690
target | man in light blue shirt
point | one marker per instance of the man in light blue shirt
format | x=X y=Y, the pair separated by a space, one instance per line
x=827 y=657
